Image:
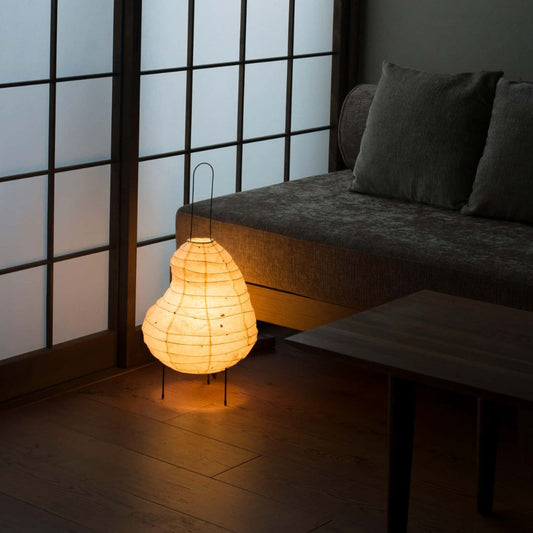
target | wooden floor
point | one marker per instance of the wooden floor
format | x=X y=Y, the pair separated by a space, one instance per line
x=300 y=447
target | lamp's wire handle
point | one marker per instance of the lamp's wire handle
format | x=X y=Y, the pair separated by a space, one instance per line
x=211 y=198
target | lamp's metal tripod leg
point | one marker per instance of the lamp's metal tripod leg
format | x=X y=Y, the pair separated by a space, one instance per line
x=162 y=381
x=225 y=386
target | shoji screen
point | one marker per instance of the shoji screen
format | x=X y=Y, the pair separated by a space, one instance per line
x=242 y=84
x=56 y=61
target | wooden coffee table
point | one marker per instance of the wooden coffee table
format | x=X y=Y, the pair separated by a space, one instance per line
x=442 y=341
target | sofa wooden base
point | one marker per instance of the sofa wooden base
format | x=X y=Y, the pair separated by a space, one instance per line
x=292 y=310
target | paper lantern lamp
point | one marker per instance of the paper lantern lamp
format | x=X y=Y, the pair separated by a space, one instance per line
x=204 y=323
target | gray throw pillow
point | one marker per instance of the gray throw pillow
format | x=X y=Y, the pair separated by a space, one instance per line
x=503 y=187
x=424 y=135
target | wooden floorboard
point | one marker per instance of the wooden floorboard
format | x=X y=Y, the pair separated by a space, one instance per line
x=87 y=495
x=17 y=516
x=141 y=434
x=300 y=447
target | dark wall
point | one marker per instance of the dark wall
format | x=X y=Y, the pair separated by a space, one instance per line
x=450 y=36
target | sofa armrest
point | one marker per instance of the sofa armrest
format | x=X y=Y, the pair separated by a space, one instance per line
x=352 y=121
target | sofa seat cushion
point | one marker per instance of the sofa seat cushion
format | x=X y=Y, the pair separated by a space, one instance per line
x=316 y=238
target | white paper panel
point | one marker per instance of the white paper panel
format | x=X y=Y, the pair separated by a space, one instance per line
x=311 y=93
x=313 y=26
x=84 y=37
x=22 y=311
x=80 y=296
x=81 y=209
x=22 y=221
x=24 y=130
x=223 y=161
x=164 y=34
x=153 y=275
x=267 y=28
x=216 y=31
x=309 y=154
x=160 y=196
x=214 y=105
x=24 y=40
x=265 y=98
x=162 y=113
x=83 y=128
x=263 y=163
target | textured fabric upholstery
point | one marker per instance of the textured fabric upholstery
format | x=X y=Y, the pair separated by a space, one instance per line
x=352 y=121
x=503 y=187
x=424 y=135
x=315 y=238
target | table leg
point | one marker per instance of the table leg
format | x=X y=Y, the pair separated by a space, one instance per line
x=402 y=408
x=488 y=421
x=525 y=438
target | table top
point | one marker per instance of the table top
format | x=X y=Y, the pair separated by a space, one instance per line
x=430 y=337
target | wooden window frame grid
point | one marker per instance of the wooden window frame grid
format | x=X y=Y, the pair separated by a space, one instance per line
x=121 y=345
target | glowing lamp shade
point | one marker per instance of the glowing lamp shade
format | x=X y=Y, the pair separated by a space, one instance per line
x=204 y=323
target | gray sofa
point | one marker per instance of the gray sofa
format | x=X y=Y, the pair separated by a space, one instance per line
x=312 y=251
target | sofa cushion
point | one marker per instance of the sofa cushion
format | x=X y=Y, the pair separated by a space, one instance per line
x=315 y=238
x=425 y=135
x=503 y=187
